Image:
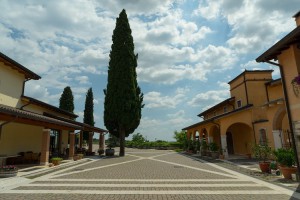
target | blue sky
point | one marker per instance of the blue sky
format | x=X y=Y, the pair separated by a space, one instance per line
x=188 y=50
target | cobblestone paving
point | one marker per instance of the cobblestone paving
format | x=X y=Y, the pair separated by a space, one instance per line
x=145 y=169
x=141 y=182
x=144 y=197
x=187 y=161
x=146 y=174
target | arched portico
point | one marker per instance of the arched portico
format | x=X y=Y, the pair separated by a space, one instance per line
x=281 y=132
x=239 y=137
x=214 y=135
x=204 y=135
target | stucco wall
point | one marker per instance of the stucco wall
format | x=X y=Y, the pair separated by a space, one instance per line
x=20 y=138
x=289 y=59
x=11 y=85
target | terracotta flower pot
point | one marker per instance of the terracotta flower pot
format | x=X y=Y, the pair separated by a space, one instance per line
x=288 y=171
x=264 y=167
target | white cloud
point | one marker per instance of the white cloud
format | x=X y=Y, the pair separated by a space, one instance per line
x=82 y=79
x=209 y=98
x=209 y=11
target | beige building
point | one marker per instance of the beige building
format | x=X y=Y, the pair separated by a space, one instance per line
x=30 y=125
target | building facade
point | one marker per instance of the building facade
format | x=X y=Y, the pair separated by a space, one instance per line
x=30 y=125
x=254 y=113
x=259 y=109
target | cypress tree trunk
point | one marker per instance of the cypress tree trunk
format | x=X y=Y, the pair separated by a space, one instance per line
x=122 y=142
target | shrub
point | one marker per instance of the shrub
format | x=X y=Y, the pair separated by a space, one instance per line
x=262 y=152
x=285 y=157
x=213 y=147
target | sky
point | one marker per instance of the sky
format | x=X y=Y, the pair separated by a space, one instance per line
x=188 y=50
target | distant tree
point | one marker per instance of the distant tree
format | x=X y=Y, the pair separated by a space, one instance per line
x=181 y=138
x=88 y=117
x=123 y=98
x=66 y=101
x=138 y=138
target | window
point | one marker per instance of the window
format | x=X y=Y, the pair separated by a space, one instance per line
x=225 y=109
x=239 y=103
x=262 y=137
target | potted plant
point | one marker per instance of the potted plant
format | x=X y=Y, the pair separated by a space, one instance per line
x=203 y=148
x=75 y=157
x=100 y=151
x=214 y=148
x=8 y=171
x=111 y=144
x=56 y=160
x=263 y=152
x=286 y=160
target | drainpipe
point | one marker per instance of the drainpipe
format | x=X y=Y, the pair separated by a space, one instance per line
x=288 y=110
x=253 y=127
x=246 y=88
x=28 y=79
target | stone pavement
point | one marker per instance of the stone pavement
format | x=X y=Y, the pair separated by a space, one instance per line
x=143 y=174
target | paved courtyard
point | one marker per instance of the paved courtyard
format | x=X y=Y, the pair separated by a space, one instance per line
x=144 y=174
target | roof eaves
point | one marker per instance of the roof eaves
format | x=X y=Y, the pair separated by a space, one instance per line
x=34 y=116
x=26 y=71
x=41 y=103
x=219 y=104
x=277 y=48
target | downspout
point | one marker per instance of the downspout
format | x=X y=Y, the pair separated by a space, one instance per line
x=266 y=87
x=254 y=134
x=246 y=88
x=21 y=108
x=28 y=79
x=288 y=110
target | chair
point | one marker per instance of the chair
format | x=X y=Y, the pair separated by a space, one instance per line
x=28 y=157
x=35 y=157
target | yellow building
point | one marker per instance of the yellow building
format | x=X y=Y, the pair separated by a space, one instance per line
x=30 y=125
x=259 y=109
x=286 y=55
x=254 y=113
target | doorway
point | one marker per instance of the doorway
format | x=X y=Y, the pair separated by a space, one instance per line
x=229 y=143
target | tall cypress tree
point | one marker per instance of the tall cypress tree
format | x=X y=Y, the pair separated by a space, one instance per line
x=88 y=116
x=123 y=98
x=66 y=101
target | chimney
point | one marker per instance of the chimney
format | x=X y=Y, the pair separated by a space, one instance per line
x=297 y=18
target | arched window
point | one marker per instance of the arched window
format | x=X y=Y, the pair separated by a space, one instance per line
x=262 y=137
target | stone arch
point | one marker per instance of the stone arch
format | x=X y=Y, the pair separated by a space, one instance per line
x=204 y=134
x=240 y=137
x=214 y=134
x=278 y=118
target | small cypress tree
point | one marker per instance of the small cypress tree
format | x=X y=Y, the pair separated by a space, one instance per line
x=88 y=116
x=123 y=98
x=66 y=101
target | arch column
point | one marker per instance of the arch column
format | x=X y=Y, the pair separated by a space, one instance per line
x=80 y=139
x=224 y=145
x=101 y=141
x=91 y=141
x=72 y=145
x=44 y=160
x=278 y=137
